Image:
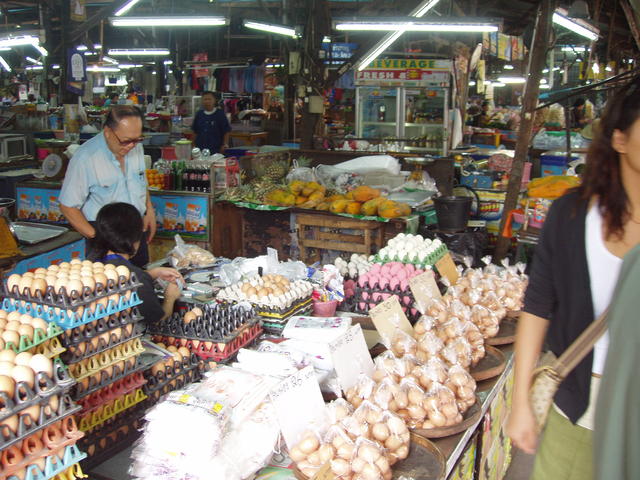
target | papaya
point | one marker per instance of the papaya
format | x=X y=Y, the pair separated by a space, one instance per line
x=335 y=197
x=288 y=199
x=353 y=208
x=316 y=196
x=300 y=200
x=371 y=207
x=311 y=187
x=391 y=209
x=323 y=206
x=296 y=186
x=339 y=206
x=364 y=193
x=349 y=196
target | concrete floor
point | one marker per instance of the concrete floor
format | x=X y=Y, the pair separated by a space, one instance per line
x=521 y=466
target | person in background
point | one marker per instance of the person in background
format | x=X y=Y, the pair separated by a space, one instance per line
x=119 y=234
x=211 y=126
x=579 y=118
x=109 y=168
x=574 y=273
x=112 y=100
x=485 y=114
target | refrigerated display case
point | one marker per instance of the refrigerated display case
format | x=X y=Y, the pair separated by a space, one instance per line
x=416 y=118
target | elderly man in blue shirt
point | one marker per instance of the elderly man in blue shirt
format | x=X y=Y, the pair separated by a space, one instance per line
x=109 y=168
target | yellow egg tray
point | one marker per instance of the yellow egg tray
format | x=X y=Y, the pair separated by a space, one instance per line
x=40 y=337
x=106 y=359
x=71 y=473
x=111 y=409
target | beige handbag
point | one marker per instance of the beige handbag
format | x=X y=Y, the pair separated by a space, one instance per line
x=548 y=377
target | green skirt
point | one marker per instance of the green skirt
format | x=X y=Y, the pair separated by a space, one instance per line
x=565 y=451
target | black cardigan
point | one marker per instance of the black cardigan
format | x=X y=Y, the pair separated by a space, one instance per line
x=560 y=291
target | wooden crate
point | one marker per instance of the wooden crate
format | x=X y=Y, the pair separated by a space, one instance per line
x=327 y=232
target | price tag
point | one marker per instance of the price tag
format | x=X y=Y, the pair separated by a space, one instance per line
x=447 y=268
x=351 y=357
x=272 y=253
x=388 y=316
x=425 y=290
x=299 y=405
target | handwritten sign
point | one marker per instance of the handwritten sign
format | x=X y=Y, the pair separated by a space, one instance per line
x=351 y=357
x=447 y=268
x=299 y=405
x=424 y=289
x=388 y=316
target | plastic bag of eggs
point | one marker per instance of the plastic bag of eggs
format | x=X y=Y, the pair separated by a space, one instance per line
x=361 y=391
x=441 y=408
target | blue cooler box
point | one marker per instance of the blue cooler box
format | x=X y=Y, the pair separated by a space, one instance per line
x=554 y=163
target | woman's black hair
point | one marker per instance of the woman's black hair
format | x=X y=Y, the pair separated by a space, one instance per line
x=119 y=112
x=114 y=95
x=119 y=228
x=603 y=175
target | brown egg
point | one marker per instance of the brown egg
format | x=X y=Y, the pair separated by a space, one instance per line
x=111 y=274
x=74 y=286
x=3 y=323
x=197 y=311
x=64 y=265
x=23 y=359
x=3 y=314
x=25 y=319
x=87 y=264
x=40 y=323
x=7 y=385
x=10 y=336
x=33 y=412
x=184 y=352
x=100 y=278
x=1 y=344
x=53 y=268
x=21 y=373
x=38 y=285
x=172 y=349
x=40 y=363
x=89 y=282
x=128 y=329
x=12 y=423
x=12 y=325
x=189 y=317
x=75 y=261
x=6 y=368
x=24 y=284
x=51 y=280
x=27 y=331
x=13 y=281
x=28 y=275
x=13 y=316
x=8 y=355
x=123 y=271
x=60 y=284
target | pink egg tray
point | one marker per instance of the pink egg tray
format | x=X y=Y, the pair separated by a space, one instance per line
x=27 y=426
x=380 y=283
x=72 y=300
x=108 y=394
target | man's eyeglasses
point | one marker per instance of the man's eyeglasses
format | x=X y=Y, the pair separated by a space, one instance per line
x=127 y=143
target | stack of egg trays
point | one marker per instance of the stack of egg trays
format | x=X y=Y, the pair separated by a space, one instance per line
x=212 y=326
x=107 y=358
x=111 y=409
x=275 y=315
x=44 y=388
x=70 y=357
x=84 y=333
x=106 y=379
x=53 y=465
x=123 y=387
x=376 y=295
x=187 y=371
x=430 y=261
x=39 y=337
x=68 y=319
x=106 y=440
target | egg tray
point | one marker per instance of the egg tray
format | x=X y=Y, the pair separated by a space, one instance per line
x=87 y=332
x=67 y=319
x=105 y=379
x=53 y=465
x=108 y=394
x=26 y=426
x=43 y=389
x=106 y=359
x=73 y=300
x=219 y=352
x=429 y=261
x=187 y=371
x=109 y=410
x=219 y=332
x=274 y=328
x=71 y=358
x=284 y=314
x=39 y=337
x=353 y=304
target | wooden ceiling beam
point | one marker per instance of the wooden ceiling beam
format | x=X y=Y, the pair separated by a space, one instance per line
x=631 y=20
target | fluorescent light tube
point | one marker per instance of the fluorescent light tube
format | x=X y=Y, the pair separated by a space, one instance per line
x=424 y=8
x=511 y=80
x=545 y=86
x=4 y=64
x=114 y=52
x=168 y=62
x=267 y=27
x=126 y=7
x=381 y=47
x=55 y=67
x=110 y=60
x=41 y=49
x=96 y=68
x=33 y=60
x=326 y=39
x=498 y=84
x=574 y=49
x=97 y=46
x=34 y=67
x=509 y=67
x=560 y=18
x=82 y=48
x=174 y=21
x=17 y=41
x=472 y=83
x=124 y=66
x=417 y=26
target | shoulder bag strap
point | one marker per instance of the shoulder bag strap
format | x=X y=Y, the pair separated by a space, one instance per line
x=581 y=347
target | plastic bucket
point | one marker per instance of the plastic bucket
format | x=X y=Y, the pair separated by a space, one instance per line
x=325 y=309
x=453 y=212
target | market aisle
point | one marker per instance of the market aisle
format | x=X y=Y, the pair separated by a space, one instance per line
x=521 y=466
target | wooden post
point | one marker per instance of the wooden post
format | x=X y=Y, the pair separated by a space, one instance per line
x=529 y=103
x=631 y=19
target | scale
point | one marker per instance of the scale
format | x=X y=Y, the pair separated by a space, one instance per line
x=8 y=242
x=54 y=165
x=418 y=167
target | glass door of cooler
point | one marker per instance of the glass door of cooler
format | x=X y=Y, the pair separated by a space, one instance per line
x=377 y=113
x=426 y=120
